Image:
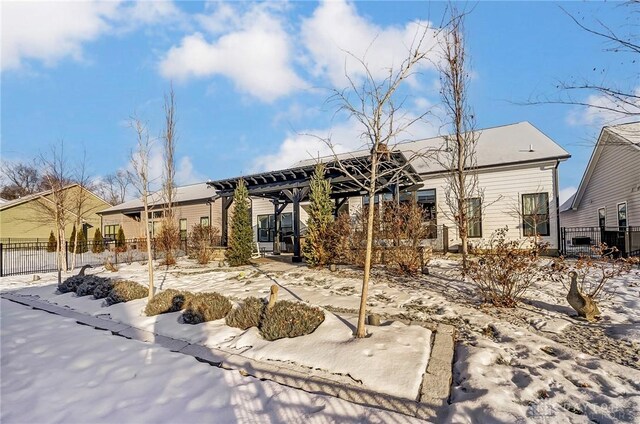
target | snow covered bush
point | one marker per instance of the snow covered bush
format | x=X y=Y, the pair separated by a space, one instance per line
x=247 y=314
x=290 y=319
x=103 y=289
x=125 y=291
x=505 y=269
x=166 y=301
x=201 y=307
x=89 y=284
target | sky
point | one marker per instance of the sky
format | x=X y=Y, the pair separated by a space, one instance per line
x=252 y=79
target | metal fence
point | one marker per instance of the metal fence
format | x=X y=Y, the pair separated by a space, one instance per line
x=28 y=257
x=577 y=241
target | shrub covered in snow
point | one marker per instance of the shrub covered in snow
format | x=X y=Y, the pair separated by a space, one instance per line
x=166 y=301
x=247 y=315
x=201 y=307
x=103 y=289
x=290 y=319
x=89 y=284
x=124 y=291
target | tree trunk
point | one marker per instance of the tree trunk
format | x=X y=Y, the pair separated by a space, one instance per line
x=361 y=330
x=149 y=254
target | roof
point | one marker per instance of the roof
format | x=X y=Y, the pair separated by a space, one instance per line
x=627 y=134
x=188 y=193
x=497 y=146
x=6 y=204
x=275 y=184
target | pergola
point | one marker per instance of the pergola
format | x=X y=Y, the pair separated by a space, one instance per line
x=291 y=186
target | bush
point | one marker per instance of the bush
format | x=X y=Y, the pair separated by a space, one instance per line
x=290 y=319
x=317 y=247
x=240 y=243
x=125 y=291
x=71 y=284
x=52 y=244
x=168 y=240
x=89 y=284
x=201 y=239
x=247 y=315
x=72 y=239
x=201 y=307
x=505 y=269
x=103 y=289
x=121 y=241
x=82 y=243
x=98 y=242
x=169 y=300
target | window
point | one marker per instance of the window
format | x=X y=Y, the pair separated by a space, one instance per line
x=602 y=218
x=426 y=199
x=204 y=221
x=111 y=231
x=267 y=227
x=474 y=217
x=156 y=214
x=622 y=215
x=384 y=197
x=183 y=229
x=535 y=214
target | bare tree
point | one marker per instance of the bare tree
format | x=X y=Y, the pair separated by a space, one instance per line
x=19 y=179
x=458 y=154
x=378 y=107
x=169 y=233
x=140 y=180
x=113 y=187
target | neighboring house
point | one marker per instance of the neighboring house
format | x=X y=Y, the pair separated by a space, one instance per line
x=609 y=193
x=517 y=169
x=29 y=217
x=193 y=204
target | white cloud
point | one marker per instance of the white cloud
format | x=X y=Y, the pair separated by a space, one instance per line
x=185 y=172
x=604 y=110
x=49 y=31
x=256 y=54
x=335 y=31
x=566 y=193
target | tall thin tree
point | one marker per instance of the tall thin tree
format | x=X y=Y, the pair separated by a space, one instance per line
x=316 y=251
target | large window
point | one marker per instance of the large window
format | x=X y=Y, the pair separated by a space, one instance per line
x=474 y=217
x=602 y=217
x=622 y=215
x=267 y=227
x=204 y=221
x=111 y=231
x=426 y=199
x=535 y=214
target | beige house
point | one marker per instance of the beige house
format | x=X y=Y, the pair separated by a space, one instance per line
x=29 y=218
x=194 y=204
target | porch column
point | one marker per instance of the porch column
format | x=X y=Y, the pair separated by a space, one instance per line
x=339 y=202
x=226 y=203
x=296 y=196
x=277 y=211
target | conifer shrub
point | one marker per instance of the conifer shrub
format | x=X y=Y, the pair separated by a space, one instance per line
x=51 y=244
x=82 y=243
x=89 y=284
x=98 y=242
x=248 y=314
x=240 y=246
x=290 y=319
x=125 y=291
x=166 y=301
x=103 y=289
x=71 y=284
x=121 y=241
x=72 y=239
x=201 y=307
x=318 y=245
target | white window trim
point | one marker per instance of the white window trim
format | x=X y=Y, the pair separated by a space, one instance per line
x=626 y=211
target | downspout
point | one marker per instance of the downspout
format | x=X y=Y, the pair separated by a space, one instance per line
x=557 y=196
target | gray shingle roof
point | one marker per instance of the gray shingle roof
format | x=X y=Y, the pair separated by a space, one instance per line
x=199 y=191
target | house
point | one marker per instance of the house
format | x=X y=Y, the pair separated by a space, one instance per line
x=517 y=168
x=29 y=218
x=193 y=204
x=606 y=206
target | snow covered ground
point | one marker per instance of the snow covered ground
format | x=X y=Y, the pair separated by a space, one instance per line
x=59 y=371
x=535 y=363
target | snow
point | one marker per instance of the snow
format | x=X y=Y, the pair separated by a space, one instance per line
x=538 y=364
x=58 y=371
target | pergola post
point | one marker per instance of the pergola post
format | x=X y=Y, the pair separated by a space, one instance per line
x=226 y=203
x=277 y=211
x=295 y=196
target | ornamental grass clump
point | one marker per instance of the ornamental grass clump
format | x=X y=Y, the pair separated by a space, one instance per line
x=248 y=314
x=290 y=319
x=89 y=284
x=125 y=291
x=201 y=307
x=166 y=301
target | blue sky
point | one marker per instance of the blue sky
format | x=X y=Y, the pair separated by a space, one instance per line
x=251 y=79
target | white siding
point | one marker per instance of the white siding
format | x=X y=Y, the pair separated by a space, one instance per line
x=615 y=179
x=262 y=206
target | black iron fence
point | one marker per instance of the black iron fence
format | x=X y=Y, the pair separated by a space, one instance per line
x=27 y=257
x=577 y=241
